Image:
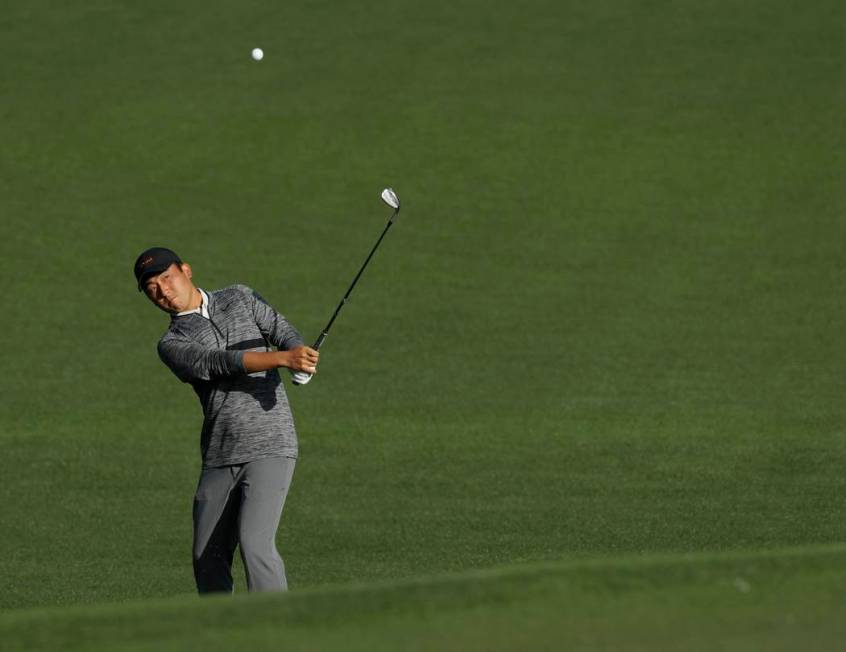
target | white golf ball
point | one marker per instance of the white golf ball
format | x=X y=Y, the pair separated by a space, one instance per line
x=258 y=54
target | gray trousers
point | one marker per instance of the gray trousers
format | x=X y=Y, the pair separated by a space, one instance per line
x=240 y=505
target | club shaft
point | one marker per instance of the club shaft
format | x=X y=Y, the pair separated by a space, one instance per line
x=325 y=331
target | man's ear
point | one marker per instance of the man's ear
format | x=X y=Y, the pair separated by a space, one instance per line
x=186 y=269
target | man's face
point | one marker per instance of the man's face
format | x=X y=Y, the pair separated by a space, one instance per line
x=173 y=289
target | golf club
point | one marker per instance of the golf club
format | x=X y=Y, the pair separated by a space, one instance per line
x=391 y=199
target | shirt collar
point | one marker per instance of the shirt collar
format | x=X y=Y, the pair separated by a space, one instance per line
x=203 y=308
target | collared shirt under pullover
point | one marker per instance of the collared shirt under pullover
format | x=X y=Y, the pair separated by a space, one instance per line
x=246 y=417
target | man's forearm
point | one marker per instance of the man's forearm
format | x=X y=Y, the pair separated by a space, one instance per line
x=264 y=360
x=301 y=358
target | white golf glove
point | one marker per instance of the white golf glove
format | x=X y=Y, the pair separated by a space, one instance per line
x=300 y=377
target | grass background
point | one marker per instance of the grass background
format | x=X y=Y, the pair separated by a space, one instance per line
x=785 y=600
x=606 y=323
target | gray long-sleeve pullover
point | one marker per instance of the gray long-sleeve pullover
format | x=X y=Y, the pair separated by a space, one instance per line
x=246 y=416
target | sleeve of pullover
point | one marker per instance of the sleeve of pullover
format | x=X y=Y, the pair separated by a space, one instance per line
x=272 y=325
x=190 y=361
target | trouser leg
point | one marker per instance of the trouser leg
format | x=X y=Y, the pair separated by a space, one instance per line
x=216 y=505
x=264 y=486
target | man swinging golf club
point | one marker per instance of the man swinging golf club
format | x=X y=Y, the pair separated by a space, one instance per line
x=220 y=342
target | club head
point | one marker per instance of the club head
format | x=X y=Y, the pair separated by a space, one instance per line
x=390 y=198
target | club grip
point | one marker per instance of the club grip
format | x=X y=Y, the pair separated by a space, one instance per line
x=320 y=341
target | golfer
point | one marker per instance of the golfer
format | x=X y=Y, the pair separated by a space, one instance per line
x=220 y=342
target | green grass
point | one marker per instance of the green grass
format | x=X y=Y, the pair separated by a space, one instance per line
x=606 y=323
x=783 y=600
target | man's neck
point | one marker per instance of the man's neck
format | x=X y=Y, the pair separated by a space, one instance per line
x=196 y=300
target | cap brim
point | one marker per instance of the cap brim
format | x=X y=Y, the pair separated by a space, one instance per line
x=152 y=270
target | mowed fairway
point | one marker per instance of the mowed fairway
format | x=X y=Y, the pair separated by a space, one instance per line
x=607 y=321
x=786 y=600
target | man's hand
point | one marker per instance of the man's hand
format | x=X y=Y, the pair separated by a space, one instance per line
x=302 y=358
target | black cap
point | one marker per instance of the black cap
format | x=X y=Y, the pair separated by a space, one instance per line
x=153 y=261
